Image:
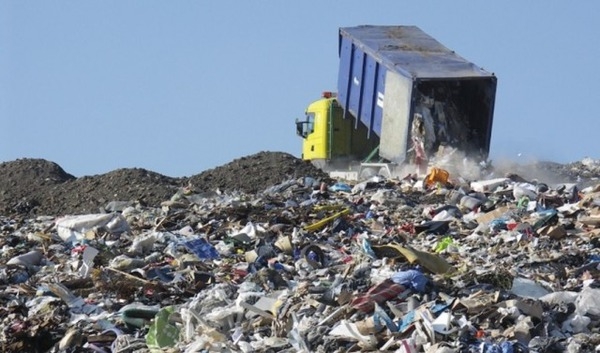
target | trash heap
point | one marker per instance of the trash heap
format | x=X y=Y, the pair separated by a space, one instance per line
x=303 y=264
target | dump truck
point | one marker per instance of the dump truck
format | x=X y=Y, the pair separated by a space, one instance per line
x=402 y=98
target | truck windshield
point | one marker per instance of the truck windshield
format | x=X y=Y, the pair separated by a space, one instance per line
x=306 y=127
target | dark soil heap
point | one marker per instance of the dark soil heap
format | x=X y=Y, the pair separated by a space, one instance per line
x=39 y=187
x=24 y=183
x=254 y=173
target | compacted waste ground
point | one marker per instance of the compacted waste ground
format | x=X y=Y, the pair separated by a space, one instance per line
x=268 y=254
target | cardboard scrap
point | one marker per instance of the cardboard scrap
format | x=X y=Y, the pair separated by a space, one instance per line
x=588 y=199
x=554 y=232
x=487 y=217
x=593 y=221
x=476 y=302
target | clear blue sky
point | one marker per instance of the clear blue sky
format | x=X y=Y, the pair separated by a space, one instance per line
x=181 y=87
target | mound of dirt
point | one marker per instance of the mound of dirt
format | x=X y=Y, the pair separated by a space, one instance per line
x=88 y=194
x=255 y=173
x=23 y=183
x=30 y=173
x=39 y=187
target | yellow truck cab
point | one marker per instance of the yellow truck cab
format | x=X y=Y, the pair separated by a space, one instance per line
x=328 y=137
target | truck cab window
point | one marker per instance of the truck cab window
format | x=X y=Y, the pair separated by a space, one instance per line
x=304 y=128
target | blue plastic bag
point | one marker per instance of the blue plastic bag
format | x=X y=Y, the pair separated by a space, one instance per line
x=202 y=249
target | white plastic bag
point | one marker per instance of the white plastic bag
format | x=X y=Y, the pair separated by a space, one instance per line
x=73 y=228
x=588 y=302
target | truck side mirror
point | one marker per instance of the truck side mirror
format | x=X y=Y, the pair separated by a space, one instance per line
x=300 y=128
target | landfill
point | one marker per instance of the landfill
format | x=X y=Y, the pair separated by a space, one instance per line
x=269 y=254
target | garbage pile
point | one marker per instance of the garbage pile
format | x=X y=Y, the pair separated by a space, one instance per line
x=307 y=264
